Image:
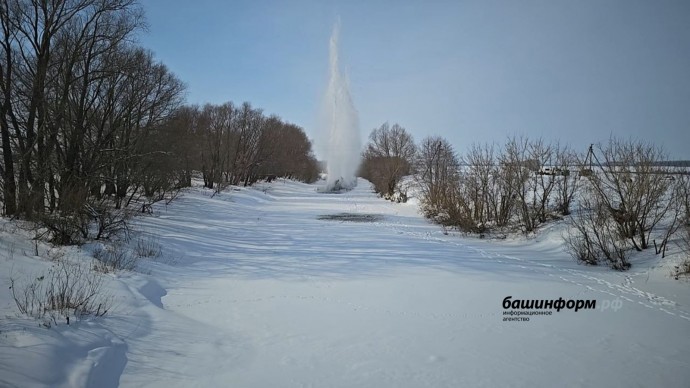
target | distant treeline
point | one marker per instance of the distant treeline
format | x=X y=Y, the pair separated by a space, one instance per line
x=619 y=197
x=673 y=163
x=233 y=145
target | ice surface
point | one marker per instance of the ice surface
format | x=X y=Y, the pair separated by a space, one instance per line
x=253 y=290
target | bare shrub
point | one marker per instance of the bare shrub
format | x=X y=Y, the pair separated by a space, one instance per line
x=683 y=198
x=567 y=182
x=524 y=160
x=523 y=184
x=630 y=200
x=683 y=193
x=148 y=247
x=114 y=258
x=95 y=219
x=593 y=236
x=538 y=179
x=683 y=268
x=676 y=217
x=437 y=177
x=509 y=177
x=542 y=182
x=631 y=184
x=62 y=228
x=478 y=184
x=109 y=222
x=67 y=288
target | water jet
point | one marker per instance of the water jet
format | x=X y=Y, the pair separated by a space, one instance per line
x=342 y=124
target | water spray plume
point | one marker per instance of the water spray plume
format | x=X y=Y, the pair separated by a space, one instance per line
x=344 y=145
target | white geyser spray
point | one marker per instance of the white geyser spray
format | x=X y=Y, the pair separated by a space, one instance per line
x=341 y=121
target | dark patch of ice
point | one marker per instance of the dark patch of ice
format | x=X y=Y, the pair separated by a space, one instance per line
x=351 y=217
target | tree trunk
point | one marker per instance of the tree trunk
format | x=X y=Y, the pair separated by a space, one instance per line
x=10 y=189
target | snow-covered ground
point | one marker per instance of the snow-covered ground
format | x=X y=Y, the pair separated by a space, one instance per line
x=255 y=290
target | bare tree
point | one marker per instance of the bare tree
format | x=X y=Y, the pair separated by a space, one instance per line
x=239 y=145
x=216 y=127
x=80 y=104
x=593 y=235
x=516 y=168
x=566 y=181
x=285 y=151
x=438 y=178
x=682 y=191
x=628 y=200
x=36 y=61
x=250 y=124
x=632 y=184
x=479 y=170
x=8 y=119
x=388 y=157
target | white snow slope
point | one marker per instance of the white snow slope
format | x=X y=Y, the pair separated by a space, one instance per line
x=255 y=291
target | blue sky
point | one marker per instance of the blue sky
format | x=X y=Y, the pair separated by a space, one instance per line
x=471 y=71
